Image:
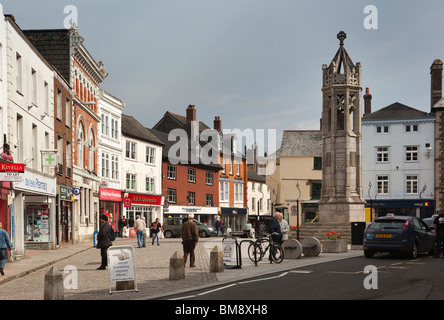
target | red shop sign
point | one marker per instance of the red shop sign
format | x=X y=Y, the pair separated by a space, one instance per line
x=108 y=194
x=16 y=167
x=147 y=199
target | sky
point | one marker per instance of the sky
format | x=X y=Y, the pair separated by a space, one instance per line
x=255 y=63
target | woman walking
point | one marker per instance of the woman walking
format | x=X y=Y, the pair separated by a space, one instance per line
x=5 y=242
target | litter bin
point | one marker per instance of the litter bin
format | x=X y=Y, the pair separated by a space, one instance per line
x=357 y=233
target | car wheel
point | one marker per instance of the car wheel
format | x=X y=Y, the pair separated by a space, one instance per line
x=414 y=252
x=168 y=234
x=368 y=254
x=202 y=234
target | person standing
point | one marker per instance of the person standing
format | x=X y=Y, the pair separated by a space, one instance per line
x=104 y=241
x=284 y=226
x=140 y=226
x=122 y=223
x=190 y=237
x=439 y=229
x=5 y=243
x=274 y=226
x=217 y=225
x=156 y=228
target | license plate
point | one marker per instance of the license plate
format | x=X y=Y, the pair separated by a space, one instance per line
x=384 y=235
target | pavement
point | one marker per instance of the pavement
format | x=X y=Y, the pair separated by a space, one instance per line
x=24 y=279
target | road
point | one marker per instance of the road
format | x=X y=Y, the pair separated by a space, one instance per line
x=394 y=278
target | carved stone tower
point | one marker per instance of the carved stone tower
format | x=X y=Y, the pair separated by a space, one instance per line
x=342 y=194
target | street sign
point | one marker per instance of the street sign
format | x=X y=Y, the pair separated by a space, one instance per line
x=294 y=209
x=127 y=202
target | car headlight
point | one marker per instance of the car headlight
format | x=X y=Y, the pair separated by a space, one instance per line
x=211 y=229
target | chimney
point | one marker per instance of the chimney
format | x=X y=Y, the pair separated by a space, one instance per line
x=191 y=114
x=217 y=123
x=367 y=102
x=436 y=82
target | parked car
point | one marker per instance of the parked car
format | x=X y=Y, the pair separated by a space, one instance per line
x=398 y=234
x=172 y=228
x=430 y=221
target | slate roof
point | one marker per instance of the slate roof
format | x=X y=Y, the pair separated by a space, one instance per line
x=134 y=129
x=301 y=143
x=397 y=111
x=254 y=176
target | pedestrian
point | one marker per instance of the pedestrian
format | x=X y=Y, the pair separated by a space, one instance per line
x=122 y=223
x=274 y=226
x=284 y=226
x=5 y=243
x=190 y=237
x=140 y=226
x=222 y=227
x=247 y=229
x=217 y=225
x=104 y=241
x=156 y=228
x=439 y=229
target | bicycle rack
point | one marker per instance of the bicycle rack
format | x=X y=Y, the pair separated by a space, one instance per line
x=238 y=253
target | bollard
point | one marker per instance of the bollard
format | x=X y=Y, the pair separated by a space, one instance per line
x=177 y=267
x=216 y=260
x=54 y=289
x=292 y=249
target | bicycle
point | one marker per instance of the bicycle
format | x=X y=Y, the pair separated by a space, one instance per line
x=257 y=249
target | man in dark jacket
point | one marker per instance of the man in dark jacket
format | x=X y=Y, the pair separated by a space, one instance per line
x=274 y=226
x=104 y=241
x=439 y=229
x=190 y=237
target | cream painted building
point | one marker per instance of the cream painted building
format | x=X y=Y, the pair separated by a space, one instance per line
x=297 y=176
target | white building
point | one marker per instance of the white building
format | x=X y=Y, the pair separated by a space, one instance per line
x=141 y=172
x=28 y=86
x=398 y=161
x=258 y=195
x=110 y=155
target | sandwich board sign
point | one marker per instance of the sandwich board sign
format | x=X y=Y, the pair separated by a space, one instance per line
x=122 y=268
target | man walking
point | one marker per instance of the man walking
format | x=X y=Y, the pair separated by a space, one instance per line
x=156 y=228
x=284 y=226
x=5 y=242
x=104 y=241
x=439 y=228
x=190 y=237
x=140 y=226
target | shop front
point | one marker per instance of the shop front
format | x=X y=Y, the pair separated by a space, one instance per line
x=110 y=204
x=420 y=208
x=148 y=206
x=35 y=212
x=64 y=222
x=234 y=218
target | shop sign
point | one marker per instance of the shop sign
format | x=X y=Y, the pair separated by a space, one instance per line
x=127 y=202
x=108 y=194
x=121 y=265
x=15 y=167
x=192 y=209
x=65 y=193
x=37 y=183
x=11 y=176
x=147 y=199
x=49 y=159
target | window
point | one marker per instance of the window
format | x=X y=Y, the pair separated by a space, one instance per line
x=172 y=196
x=59 y=104
x=149 y=184
x=192 y=175
x=191 y=198
x=411 y=153
x=209 y=200
x=209 y=179
x=411 y=128
x=412 y=184
x=382 y=129
x=130 y=151
x=131 y=181
x=34 y=87
x=68 y=159
x=150 y=155
x=383 y=184
x=67 y=112
x=105 y=165
x=80 y=145
x=238 y=192
x=114 y=128
x=238 y=169
x=317 y=163
x=46 y=92
x=224 y=192
x=91 y=149
x=171 y=173
x=231 y=167
x=253 y=203
x=382 y=154
x=115 y=167
x=105 y=125
x=316 y=191
x=19 y=70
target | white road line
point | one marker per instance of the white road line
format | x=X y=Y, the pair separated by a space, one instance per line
x=264 y=279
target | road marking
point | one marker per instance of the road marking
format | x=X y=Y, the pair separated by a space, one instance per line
x=214 y=290
x=264 y=279
x=301 y=271
x=345 y=272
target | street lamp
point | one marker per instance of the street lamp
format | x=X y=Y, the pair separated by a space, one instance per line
x=422 y=200
x=297 y=204
x=371 y=203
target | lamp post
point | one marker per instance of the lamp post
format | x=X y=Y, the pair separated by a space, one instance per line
x=371 y=203
x=297 y=204
x=422 y=200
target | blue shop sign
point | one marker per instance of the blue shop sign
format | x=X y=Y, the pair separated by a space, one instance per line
x=233 y=210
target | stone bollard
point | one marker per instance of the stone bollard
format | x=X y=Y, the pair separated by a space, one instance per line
x=54 y=289
x=216 y=260
x=177 y=267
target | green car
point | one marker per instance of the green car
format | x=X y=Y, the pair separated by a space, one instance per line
x=172 y=228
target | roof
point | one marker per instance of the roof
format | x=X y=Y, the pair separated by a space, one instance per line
x=396 y=111
x=254 y=176
x=134 y=129
x=301 y=143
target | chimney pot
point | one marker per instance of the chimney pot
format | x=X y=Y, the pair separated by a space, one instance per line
x=367 y=102
x=217 y=123
x=191 y=113
x=436 y=82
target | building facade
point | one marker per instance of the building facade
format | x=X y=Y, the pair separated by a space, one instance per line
x=258 y=199
x=141 y=172
x=110 y=156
